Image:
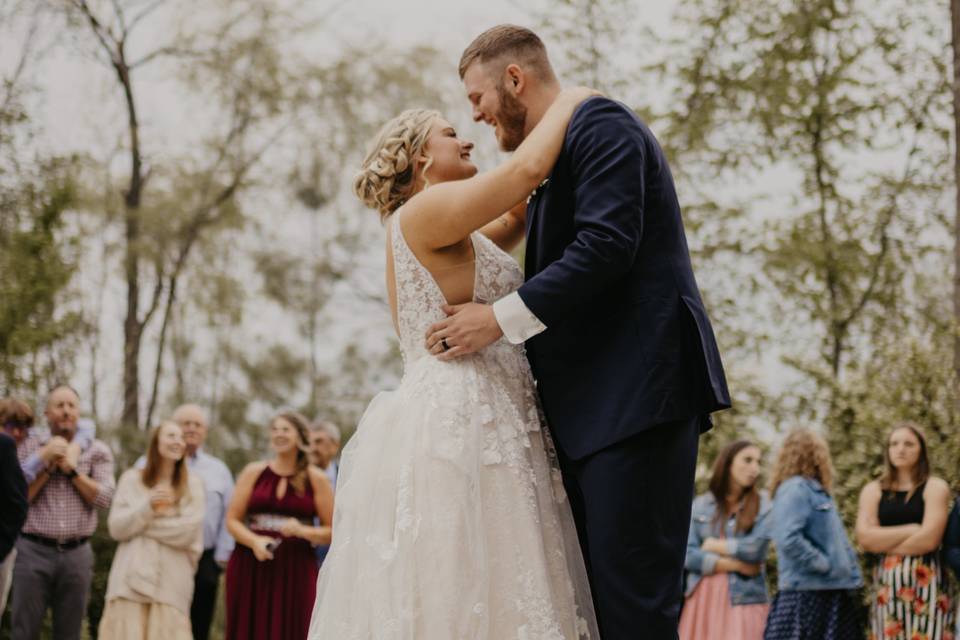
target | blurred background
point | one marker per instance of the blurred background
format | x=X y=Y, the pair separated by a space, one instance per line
x=176 y=221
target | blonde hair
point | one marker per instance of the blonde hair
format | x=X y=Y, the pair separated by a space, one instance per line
x=388 y=175
x=804 y=453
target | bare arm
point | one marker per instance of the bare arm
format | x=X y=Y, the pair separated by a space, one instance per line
x=35 y=487
x=323 y=503
x=509 y=229
x=936 y=501
x=448 y=212
x=870 y=534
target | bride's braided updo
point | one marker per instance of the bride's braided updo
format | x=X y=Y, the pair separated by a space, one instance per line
x=387 y=176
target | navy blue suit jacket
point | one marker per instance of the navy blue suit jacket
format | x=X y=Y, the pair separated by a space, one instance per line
x=13 y=495
x=628 y=344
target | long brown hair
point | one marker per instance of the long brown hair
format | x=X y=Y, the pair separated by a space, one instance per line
x=151 y=472
x=803 y=453
x=299 y=479
x=921 y=472
x=720 y=487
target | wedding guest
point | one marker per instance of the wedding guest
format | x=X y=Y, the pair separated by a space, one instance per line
x=818 y=574
x=325 y=447
x=951 y=551
x=902 y=517
x=217 y=542
x=951 y=540
x=54 y=564
x=272 y=574
x=16 y=418
x=726 y=594
x=157 y=517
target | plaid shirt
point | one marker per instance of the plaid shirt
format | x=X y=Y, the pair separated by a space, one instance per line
x=59 y=511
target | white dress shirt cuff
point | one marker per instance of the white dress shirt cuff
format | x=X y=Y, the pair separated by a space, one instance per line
x=516 y=321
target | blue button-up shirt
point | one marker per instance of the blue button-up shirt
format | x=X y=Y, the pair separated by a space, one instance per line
x=218 y=482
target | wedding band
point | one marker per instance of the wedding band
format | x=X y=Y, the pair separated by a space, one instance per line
x=443 y=343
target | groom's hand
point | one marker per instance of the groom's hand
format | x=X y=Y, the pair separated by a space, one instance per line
x=468 y=328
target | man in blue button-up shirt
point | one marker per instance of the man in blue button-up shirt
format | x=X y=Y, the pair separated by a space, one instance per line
x=217 y=542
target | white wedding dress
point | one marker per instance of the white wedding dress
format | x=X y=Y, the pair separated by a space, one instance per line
x=451 y=522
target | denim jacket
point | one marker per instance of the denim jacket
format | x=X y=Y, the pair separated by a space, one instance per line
x=748 y=547
x=813 y=551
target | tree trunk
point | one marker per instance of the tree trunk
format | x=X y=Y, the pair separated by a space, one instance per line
x=955 y=20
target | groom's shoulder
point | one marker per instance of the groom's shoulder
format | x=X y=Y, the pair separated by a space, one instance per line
x=600 y=118
x=600 y=109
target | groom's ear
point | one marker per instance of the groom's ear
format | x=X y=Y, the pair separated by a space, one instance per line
x=515 y=78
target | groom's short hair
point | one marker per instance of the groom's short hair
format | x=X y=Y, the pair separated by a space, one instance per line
x=504 y=40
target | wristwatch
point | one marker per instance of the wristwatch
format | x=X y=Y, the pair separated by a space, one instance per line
x=71 y=474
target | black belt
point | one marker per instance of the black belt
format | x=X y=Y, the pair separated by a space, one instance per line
x=59 y=545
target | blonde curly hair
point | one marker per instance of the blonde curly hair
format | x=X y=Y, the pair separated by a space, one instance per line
x=803 y=453
x=388 y=175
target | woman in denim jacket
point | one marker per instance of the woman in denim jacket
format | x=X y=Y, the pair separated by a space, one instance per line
x=817 y=567
x=726 y=590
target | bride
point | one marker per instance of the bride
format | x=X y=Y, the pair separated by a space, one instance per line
x=451 y=520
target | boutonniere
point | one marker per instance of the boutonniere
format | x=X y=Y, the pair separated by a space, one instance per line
x=539 y=186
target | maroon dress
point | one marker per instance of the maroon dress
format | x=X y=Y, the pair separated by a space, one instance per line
x=273 y=599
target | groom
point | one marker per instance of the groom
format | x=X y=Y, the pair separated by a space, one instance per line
x=624 y=356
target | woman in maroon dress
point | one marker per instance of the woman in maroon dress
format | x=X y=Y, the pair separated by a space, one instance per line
x=272 y=574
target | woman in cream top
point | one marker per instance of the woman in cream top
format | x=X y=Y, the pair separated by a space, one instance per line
x=157 y=516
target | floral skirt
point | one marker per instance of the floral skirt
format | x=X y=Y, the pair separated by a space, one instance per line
x=912 y=599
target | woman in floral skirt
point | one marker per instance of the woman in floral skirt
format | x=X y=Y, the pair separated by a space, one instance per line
x=902 y=517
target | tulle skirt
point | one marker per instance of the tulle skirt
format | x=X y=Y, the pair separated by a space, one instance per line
x=451 y=520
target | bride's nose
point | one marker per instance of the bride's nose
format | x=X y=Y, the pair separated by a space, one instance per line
x=467 y=145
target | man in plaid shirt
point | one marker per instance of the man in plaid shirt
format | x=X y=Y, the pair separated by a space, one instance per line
x=71 y=480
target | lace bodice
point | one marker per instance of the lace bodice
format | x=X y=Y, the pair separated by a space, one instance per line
x=419 y=297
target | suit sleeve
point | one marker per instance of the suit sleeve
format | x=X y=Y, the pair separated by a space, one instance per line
x=607 y=161
x=13 y=496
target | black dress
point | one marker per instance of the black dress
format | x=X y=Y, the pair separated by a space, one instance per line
x=911 y=596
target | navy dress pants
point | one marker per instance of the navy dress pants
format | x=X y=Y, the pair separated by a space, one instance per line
x=631 y=502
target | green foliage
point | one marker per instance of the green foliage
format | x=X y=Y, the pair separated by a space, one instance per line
x=36 y=265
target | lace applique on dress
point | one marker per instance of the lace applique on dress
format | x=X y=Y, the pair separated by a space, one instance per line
x=451 y=522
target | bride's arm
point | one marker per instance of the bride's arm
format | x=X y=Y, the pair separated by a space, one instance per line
x=448 y=212
x=508 y=229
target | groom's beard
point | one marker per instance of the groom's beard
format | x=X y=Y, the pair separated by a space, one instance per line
x=512 y=117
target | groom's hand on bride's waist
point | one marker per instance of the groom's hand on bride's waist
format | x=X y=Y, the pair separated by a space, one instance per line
x=468 y=328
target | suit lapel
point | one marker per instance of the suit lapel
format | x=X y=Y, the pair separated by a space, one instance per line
x=534 y=207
